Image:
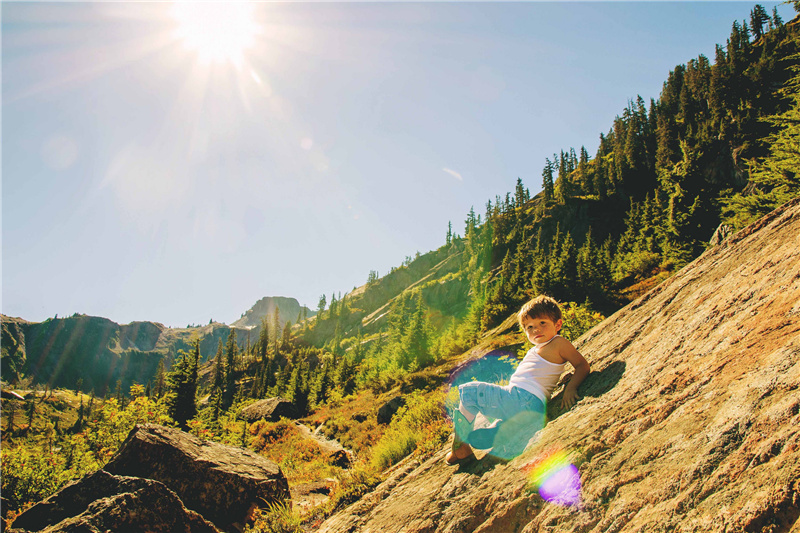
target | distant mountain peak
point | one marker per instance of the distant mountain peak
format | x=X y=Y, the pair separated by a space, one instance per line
x=289 y=309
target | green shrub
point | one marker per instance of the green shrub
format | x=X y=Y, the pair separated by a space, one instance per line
x=41 y=462
x=276 y=518
x=637 y=265
x=417 y=426
x=578 y=319
x=393 y=448
x=31 y=474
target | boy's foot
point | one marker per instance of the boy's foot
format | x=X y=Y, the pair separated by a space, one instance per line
x=461 y=454
x=483 y=438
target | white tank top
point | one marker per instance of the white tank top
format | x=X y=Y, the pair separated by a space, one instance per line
x=536 y=374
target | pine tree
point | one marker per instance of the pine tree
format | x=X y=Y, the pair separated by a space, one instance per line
x=30 y=411
x=519 y=195
x=321 y=307
x=286 y=336
x=275 y=326
x=563 y=187
x=416 y=341
x=321 y=383
x=758 y=17
x=219 y=368
x=263 y=341
x=160 y=378
x=547 y=181
x=584 y=177
x=776 y=177
x=182 y=387
x=777 y=21
x=231 y=349
x=565 y=269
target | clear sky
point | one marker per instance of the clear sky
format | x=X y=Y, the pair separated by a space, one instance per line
x=176 y=163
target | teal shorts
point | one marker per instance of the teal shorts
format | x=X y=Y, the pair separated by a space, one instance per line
x=520 y=414
x=495 y=401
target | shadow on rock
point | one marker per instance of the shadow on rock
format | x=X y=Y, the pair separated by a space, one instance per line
x=599 y=383
x=480 y=466
x=595 y=385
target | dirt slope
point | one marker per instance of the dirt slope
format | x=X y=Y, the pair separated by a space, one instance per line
x=689 y=421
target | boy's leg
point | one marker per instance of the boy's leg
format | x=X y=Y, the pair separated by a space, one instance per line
x=463 y=419
x=513 y=435
x=487 y=398
x=460 y=449
x=461 y=427
x=491 y=400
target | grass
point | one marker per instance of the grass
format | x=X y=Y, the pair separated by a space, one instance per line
x=419 y=427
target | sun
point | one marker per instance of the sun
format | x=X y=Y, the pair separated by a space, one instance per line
x=216 y=31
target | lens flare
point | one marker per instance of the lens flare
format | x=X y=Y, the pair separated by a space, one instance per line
x=556 y=478
x=494 y=367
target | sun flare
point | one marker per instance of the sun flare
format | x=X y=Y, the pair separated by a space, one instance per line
x=216 y=31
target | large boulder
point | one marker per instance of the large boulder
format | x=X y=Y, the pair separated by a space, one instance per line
x=271 y=410
x=104 y=502
x=388 y=410
x=223 y=483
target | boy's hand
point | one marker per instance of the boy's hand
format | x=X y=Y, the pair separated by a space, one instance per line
x=569 y=398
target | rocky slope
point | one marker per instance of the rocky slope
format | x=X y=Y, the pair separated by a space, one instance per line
x=690 y=420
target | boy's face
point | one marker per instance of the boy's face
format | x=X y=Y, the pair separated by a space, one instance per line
x=540 y=329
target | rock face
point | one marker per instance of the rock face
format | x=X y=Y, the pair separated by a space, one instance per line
x=220 y=482
x=271 y=409
x=103 y=502
x=689 y=421
x=59 y=351
x=288 y=311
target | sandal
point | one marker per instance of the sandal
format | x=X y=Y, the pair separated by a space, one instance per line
x=460 y=454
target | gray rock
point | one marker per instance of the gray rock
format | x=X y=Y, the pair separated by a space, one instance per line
x=104 y=502
x=387 y=410
x=271 y=410
x=340 y=458
x=223 y=483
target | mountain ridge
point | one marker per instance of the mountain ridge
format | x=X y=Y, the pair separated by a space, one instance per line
x=99 y=351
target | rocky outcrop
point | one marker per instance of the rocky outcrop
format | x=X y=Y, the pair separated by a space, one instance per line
x=12 y=349
x=289 y=309
x=222 y=483
x=341 y=458
x=104 y=502
x=271 y=409
x=690 y=420
x=388 y=409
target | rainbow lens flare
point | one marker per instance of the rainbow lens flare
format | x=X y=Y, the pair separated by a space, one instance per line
x=556 y=478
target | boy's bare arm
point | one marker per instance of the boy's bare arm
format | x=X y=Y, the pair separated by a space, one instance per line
x=582 y=369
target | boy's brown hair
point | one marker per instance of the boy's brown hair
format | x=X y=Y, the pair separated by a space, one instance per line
x=540 y=306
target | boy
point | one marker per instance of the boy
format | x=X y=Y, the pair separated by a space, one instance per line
x=519 y=407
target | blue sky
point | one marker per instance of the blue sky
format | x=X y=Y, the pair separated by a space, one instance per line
x=152 y=173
